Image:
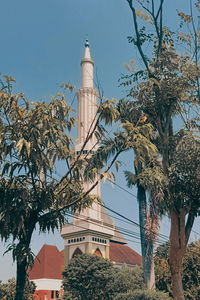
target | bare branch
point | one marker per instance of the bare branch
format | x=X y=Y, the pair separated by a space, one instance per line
x=138 y=40
x=159 y=9
x=76 y=201
x=152 y=6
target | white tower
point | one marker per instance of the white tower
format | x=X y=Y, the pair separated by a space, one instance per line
x=87 y=109
x=87 y=101
x=91 y=230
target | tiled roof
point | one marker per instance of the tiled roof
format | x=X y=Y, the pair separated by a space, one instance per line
x=50 y=261
x=124 y=254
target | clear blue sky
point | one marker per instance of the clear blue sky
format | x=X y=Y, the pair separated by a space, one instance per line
x=41 y=46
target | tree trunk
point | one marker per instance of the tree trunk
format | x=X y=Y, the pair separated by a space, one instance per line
x=22 y=259
x=21 y=279
x=176 y=252
x=147 y=245
x=148 y=261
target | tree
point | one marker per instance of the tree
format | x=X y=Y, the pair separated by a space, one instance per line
x=127 y=279
x=191 y=270
x=168 y=86
x=136 y=136
x=88 y=277
x=7 y=290
x=34 y=136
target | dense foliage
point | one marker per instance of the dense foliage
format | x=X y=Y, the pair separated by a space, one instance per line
x=88 y=277
x=7 y=290
x=191 y=270
x=92 y=277
x=126 y=279
x=142 y=295
x=34 y=136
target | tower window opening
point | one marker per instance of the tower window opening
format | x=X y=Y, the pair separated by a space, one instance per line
x=95 y=239
x=76 y=240
x=77 y=252
x=98 y=252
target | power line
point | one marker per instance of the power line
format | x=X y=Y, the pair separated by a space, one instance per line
x=82 y=227
x=165 y=238
x=133 y=222
x=122 y=230
x=131 y=234
x=127 y=219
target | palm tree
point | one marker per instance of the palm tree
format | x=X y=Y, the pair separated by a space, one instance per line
x=137 y=135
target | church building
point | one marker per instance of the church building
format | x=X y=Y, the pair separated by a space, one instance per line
x=93 y=230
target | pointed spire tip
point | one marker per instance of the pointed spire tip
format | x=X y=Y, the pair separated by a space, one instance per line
x=87 y=43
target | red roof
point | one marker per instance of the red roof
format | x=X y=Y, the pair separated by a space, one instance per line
x=49 y=262
x=124 y=254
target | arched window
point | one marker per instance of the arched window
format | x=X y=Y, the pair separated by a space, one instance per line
x=77 y=252
x=98 y=252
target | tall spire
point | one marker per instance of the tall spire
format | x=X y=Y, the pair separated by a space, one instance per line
x=87 y=50
x=87 y=65
x=87 y=101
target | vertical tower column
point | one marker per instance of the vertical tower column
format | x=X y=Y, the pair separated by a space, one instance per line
x=87 y=110
x=87 y=102
x=87 y=65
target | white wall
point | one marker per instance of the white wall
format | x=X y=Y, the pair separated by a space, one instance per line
x=47 y=284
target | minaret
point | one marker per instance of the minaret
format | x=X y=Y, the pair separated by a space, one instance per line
x=87 y=102
x=87 y=109
x=91 y=230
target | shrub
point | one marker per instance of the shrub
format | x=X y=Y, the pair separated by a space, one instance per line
x=88 y=277
x=126 y=279
x=142 y=295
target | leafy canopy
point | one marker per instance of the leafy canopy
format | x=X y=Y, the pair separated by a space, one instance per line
x=92 y=277
x=7 y=290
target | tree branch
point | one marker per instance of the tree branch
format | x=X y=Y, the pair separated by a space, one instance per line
x=159 y=9
x=89 y=135
x=152 y=6
x=188 y=226
x=138 y=40
x=76 y=201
